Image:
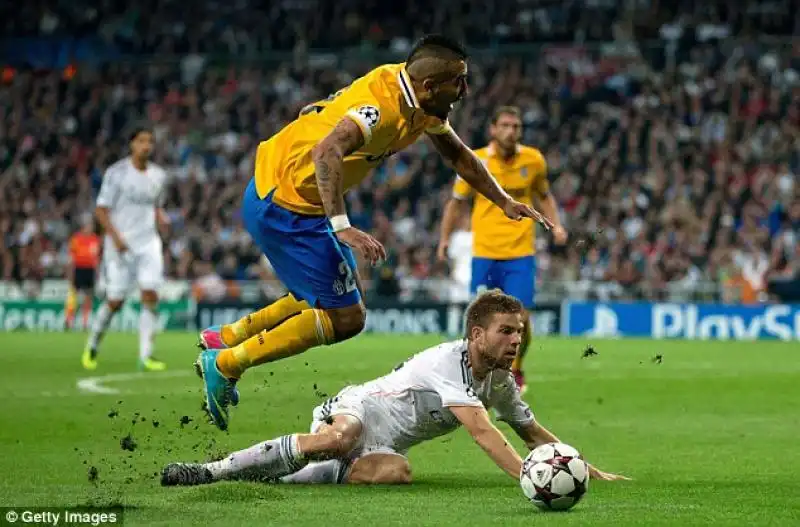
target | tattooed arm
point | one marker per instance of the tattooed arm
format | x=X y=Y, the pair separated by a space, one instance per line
x=464 y=161
x=328 y=156
x=468 y=166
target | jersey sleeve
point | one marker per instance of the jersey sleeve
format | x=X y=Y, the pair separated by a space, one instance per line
x=369 y=116
x=511 y=408
x=452 y=381
x=462 y=189
x=109 y=190
x=541 y=186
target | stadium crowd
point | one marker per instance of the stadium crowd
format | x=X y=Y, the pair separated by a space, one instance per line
x=672 y=134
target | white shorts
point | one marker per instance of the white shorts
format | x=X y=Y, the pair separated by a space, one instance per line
x=376 y=437
x=138 y=266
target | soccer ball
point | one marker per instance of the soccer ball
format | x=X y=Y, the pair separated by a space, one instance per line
x=554 y=476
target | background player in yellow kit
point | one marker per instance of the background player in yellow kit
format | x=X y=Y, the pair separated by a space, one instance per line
x=503 y=250
x=294 y=208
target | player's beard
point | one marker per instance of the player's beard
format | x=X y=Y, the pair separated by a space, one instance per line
x=489 y=355
x=508 y=146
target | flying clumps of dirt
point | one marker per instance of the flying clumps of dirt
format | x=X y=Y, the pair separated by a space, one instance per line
x=127 y=443
x=589 y=352
x=93 y=472
x=185 y=420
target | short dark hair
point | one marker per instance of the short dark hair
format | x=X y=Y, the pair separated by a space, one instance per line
x=506 y=110
x=438 y=46
x=137 y=128
x=481 y=310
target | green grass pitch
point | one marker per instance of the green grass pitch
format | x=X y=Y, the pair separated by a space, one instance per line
x=709 y=434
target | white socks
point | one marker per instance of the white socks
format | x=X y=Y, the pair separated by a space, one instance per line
x=271 y=459
x=330 y=471
x=100 y=324
x=147 y=328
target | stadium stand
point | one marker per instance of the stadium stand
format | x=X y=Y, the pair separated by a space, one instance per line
x=671 y=129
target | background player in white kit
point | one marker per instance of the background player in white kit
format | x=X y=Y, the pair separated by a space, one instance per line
x=129 y=209
x=362 y=434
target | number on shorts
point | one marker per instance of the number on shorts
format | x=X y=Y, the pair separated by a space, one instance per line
x=349 y=278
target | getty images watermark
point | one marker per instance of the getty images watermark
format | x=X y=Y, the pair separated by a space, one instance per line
x=64 y=516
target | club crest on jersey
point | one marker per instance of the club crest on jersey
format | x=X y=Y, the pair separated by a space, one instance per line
x=524 y=172
x=370 y=114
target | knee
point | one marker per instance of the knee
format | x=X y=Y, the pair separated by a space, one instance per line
x=115 y=305
x=149 y=298
x=379 y=469
x=348 y=322
x=335 y=443
x=396 y=473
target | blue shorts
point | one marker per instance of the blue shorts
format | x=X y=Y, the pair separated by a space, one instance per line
x=303 y=250
x=516 y=277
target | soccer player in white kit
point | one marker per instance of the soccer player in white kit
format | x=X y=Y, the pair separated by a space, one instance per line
x=362 y=434
x=129 y=209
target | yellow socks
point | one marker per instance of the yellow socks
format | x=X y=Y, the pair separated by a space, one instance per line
x=266 y=319
x=70 y=306
x=310 y=328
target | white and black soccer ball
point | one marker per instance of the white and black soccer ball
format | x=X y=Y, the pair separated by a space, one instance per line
x=554 y=476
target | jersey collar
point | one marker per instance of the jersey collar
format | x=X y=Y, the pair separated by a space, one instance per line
x=493 y=153
x=407 y=88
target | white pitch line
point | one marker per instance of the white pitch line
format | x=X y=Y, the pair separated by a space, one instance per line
x=96 y=384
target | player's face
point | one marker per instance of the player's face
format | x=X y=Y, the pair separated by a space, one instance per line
x=501 y=339
x=142 y=145
x=443 y=93
x=507 y=131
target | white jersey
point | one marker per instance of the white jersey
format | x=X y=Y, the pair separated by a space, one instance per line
x=132 y=197
x=411 y=404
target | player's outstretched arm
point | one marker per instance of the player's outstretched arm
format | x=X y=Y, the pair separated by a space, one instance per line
x=464 y=161
x=535 y=434
x=476 y=420
x=468 y=166
x=328 y=156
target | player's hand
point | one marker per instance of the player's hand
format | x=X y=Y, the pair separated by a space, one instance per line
x=367 y=245
x=441 y=251
x=594 y=473
x=516 y=211
x=559 y=235
x=163 y=219
x=120 y=244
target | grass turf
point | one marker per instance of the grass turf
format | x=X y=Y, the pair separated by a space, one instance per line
x=709 y=434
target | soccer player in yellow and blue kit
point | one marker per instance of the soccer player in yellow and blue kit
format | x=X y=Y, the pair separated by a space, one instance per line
x=503 y=250
x=294 y=208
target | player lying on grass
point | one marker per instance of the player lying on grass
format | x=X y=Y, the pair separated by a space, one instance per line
x=294 y=208
x=362 y=434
